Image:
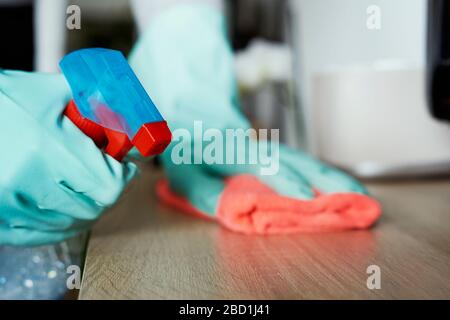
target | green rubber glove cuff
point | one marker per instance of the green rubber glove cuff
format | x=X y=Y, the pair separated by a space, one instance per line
x=198 y=83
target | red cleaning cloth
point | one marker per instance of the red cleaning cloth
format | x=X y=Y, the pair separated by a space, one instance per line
x=249 y=206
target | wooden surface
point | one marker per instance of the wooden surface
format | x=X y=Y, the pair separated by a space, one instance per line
x=143 y=250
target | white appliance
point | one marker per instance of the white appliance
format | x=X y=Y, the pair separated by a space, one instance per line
x=362 y=90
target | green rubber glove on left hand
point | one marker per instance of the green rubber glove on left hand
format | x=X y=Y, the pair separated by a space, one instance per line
x=54 y=181
x=185 y=62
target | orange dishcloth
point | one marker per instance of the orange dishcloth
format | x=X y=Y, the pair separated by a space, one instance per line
x=249 y=206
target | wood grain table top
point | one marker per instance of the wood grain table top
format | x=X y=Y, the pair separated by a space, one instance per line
x=144 y=250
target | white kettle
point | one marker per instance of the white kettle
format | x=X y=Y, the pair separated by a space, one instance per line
x=360 y=73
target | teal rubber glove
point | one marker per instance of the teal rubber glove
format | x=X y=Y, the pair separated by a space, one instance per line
x=185 y=62
x=54 y=181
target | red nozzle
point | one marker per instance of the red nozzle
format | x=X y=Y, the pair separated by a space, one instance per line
x=151 y=139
